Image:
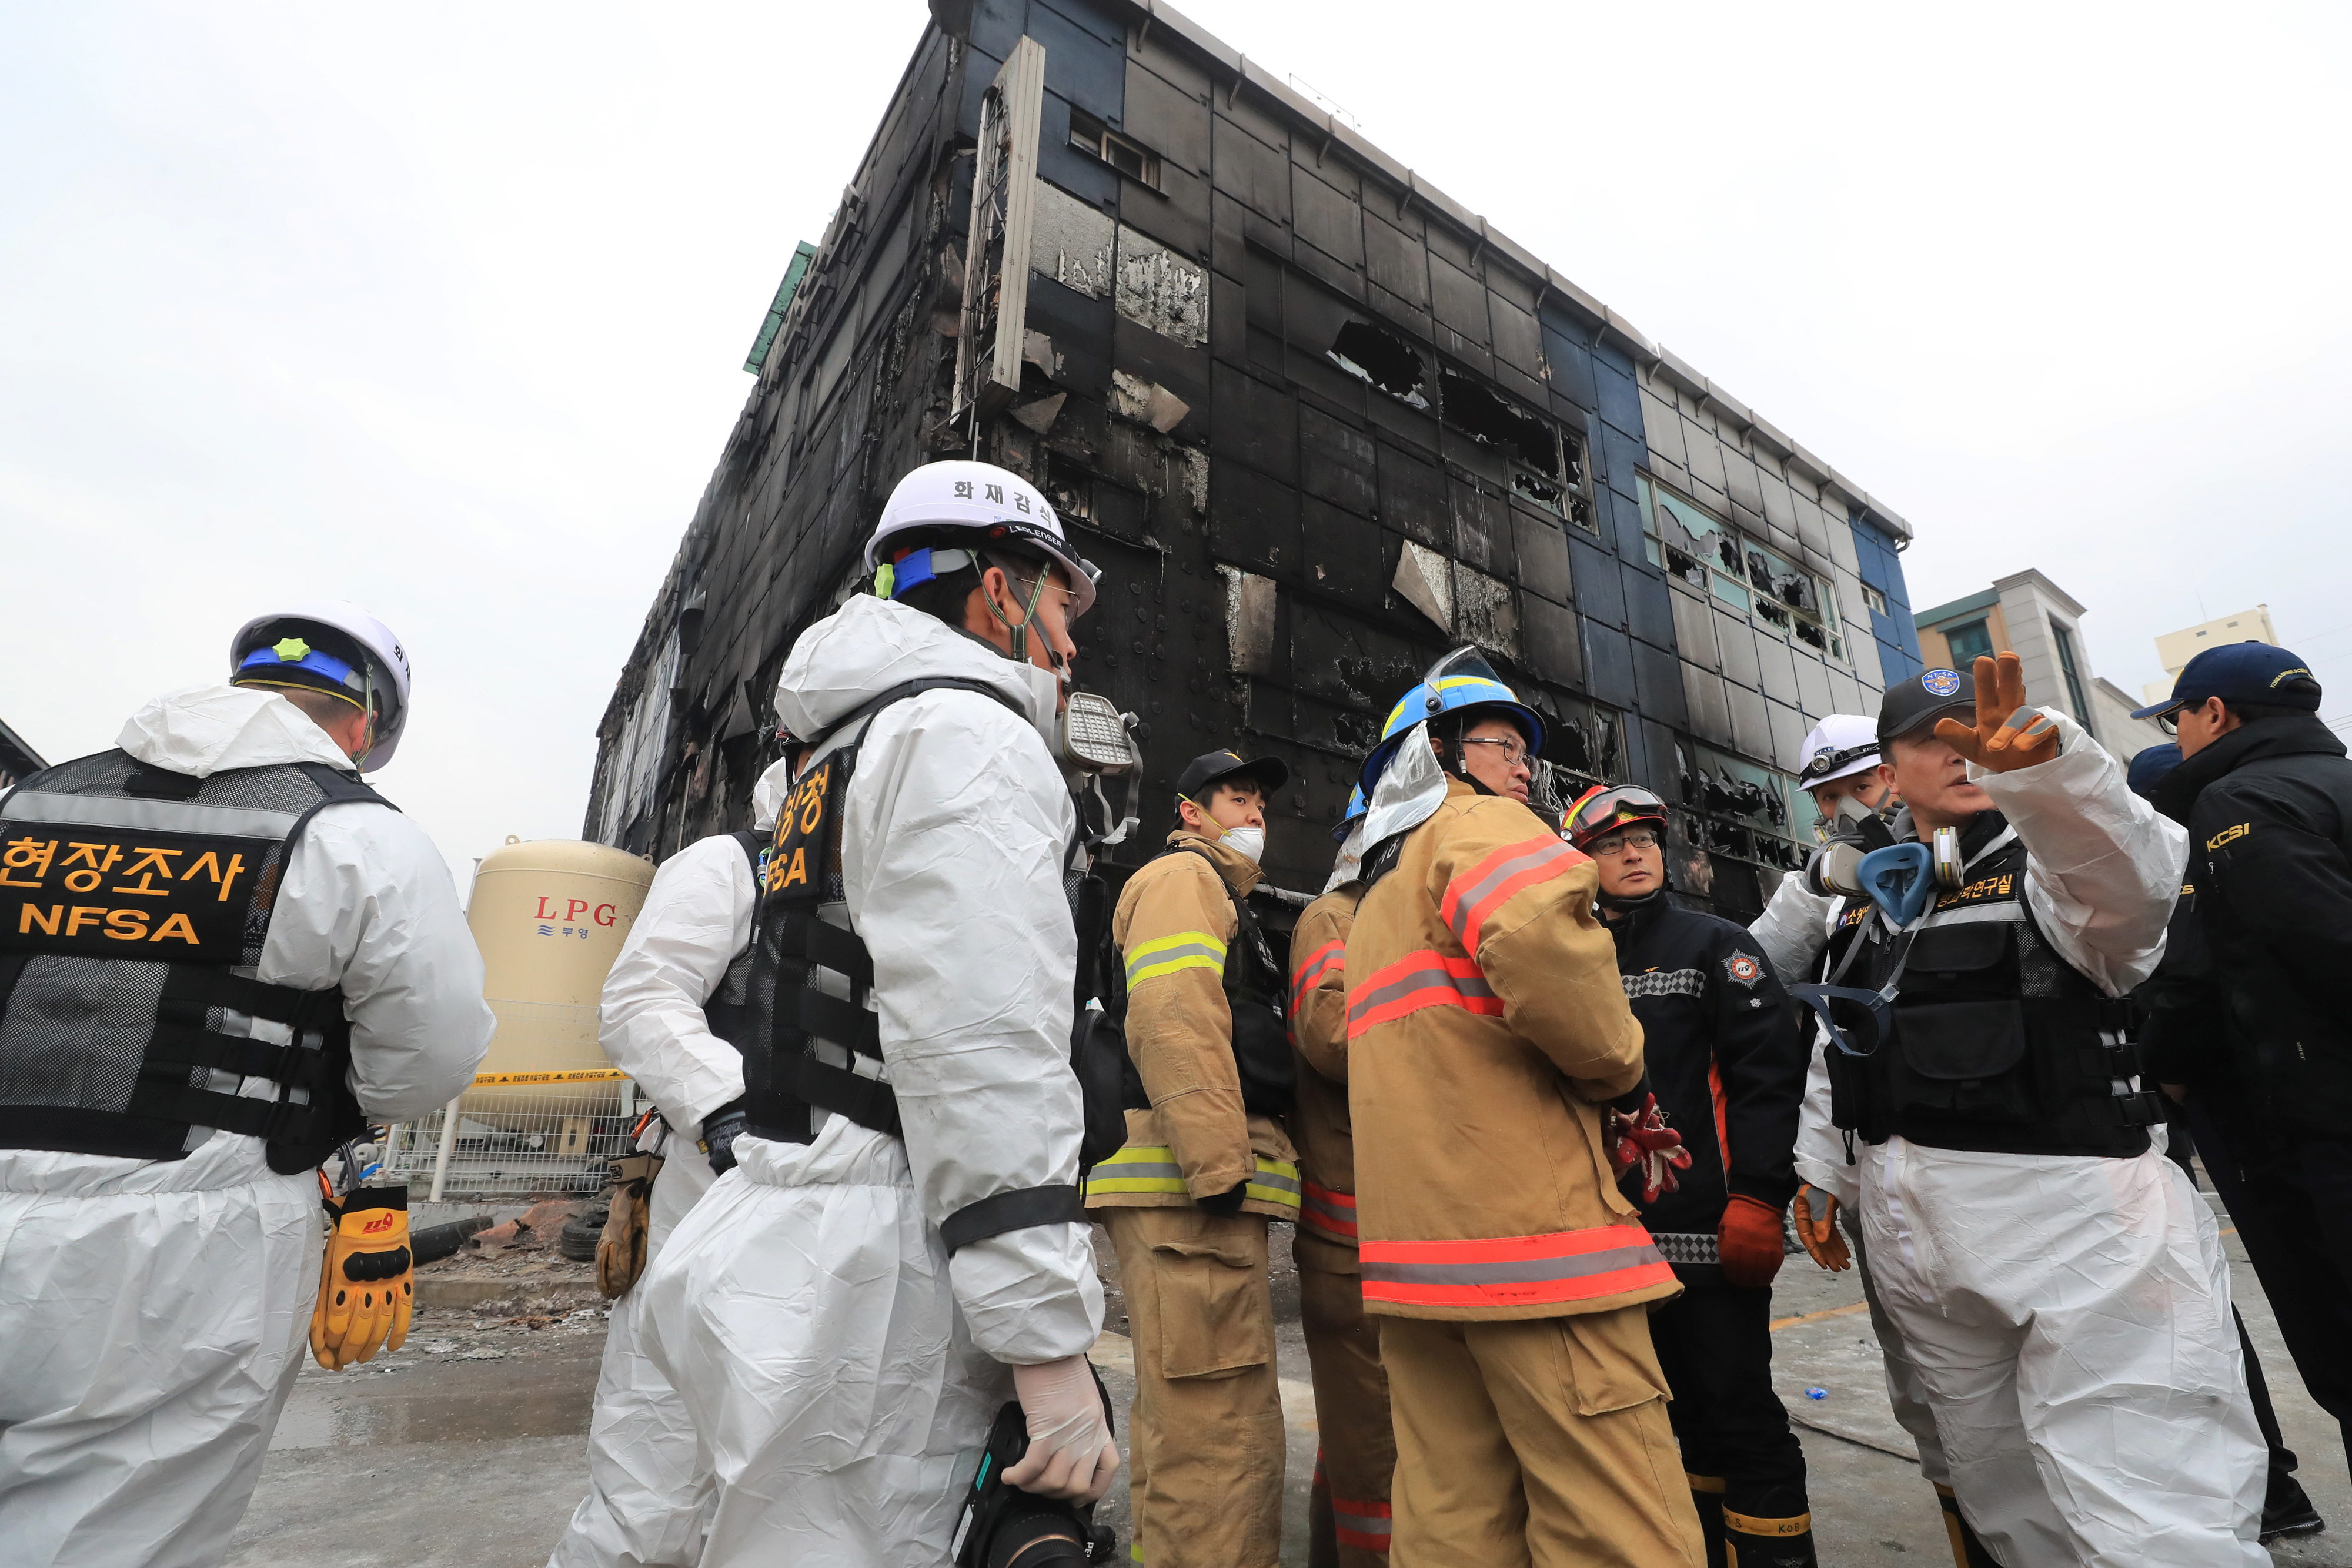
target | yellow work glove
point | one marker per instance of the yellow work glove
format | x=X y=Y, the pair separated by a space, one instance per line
x=2010 y=733
x=365 y=1283
x=1814 y=1215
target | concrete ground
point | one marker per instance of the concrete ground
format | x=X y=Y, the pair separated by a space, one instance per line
x=466 y=1449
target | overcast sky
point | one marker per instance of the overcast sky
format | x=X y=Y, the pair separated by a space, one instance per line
x=443 y=308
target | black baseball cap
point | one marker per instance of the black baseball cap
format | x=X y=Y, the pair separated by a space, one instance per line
x=1211 y=768
x=2241 y=673
x=1917 y=704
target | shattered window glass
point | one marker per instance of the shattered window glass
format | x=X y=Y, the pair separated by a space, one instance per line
x=1742 y=808
x=1385 y=361
x=1706 y=553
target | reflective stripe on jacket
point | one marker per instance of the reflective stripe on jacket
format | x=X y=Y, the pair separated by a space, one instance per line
x=1317 y=1008
x=1486 y=1030
x=1172 y=925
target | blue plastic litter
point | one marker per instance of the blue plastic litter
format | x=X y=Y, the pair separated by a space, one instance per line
x=1817 y=1394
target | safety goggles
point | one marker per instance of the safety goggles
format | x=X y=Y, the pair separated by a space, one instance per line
x=1601 y=806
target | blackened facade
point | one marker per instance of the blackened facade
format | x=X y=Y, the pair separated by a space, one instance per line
x=1317 y=422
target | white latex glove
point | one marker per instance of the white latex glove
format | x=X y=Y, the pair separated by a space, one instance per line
x=1071 y=1454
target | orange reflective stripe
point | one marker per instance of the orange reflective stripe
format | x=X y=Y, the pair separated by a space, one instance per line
x=1514 y=1271
x=1331 y=1213
x=1488 y=885
x=1332 y=955
x=1362 y=1522
x=1418 y=980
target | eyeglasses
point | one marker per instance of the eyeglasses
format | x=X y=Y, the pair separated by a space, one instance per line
x=1515 y=752
x=1617 y=843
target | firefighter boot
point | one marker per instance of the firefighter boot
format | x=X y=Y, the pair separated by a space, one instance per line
x=1968 y=1551
x=1752 y=1542
x=1707 y=1496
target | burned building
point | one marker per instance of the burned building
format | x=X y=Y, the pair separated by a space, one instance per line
x=1317 y=422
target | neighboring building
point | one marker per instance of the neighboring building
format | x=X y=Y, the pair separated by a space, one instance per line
x=2039 y=621
x=1317 y=421
x=2175 y=649
x=17 y=761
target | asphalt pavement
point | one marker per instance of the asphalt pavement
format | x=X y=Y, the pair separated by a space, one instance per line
x=467 y=1448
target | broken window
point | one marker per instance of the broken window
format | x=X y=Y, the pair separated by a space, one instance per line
x=1069 y=488
x=1488 y=419
x=1742 y=808
x=1129 y=158
x=1579 y=466
x=1699 y=550
x=1385 y=361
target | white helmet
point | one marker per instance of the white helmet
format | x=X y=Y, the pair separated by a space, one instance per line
x=968 y=505
x=333 y=646
x=1841 y=744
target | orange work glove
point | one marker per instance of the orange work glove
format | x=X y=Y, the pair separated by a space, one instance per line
x=364 y=1281
x=1815 y=1215
x=1749 y=1241
x=2010 y=734
x=1643 y=1138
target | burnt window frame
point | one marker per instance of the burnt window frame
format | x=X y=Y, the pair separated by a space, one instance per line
x=1741 y=592
x=1092 y=137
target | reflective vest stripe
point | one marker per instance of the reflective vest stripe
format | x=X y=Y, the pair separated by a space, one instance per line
x=1514 y=1271
x=1488 y=885
x=1152 y=1167
x=1166 y=954
x=1332 y=955
x=1362 y=1522
x=1329 y=1213
x=1418 y=980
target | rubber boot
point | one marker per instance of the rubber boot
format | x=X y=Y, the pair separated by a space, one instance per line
x=1752 y=1542
x=1968 y=1551
x=2287 y=1509
x=1322 y=1527
x=1707 y=1496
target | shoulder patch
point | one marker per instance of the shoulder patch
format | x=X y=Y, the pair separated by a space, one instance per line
x=1743 y=968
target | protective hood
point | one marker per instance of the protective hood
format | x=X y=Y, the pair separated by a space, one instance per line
x=1411 y=790
x=203 y=730
x=768 y=794
x=869 y=645
x=1351 y=863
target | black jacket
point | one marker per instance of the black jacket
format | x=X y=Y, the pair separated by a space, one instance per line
x=1724 y=1056
x=2269 y=811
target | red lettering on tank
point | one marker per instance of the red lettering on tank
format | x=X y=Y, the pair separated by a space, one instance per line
x=573 y=906
x=544 y=912
x=607 y=912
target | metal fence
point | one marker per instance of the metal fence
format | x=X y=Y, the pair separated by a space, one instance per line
x=543 y=1124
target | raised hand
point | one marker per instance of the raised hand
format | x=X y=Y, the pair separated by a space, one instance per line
x=2010 y=733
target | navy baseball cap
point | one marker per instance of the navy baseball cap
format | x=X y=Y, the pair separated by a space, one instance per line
x=2241 y=673
x=1211 y=768
x=2149 y=767
x=1916 y=704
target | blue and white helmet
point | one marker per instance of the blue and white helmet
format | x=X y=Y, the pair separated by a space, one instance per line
x=1460 y=684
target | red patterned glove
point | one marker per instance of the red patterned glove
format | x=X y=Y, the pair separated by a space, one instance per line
x=1643 y=1138
x=1748 y=1242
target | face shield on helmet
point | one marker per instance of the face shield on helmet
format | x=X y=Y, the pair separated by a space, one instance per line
x=1608 y=808
x=335 y=647
x=1457 y=691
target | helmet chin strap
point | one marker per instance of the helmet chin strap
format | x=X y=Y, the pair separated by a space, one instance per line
x=1019 y=630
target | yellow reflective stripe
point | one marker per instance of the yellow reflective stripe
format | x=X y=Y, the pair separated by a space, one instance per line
x=1139 y=1167
x=1276 y=1181
x=1152 y=1167
x=1166 y=954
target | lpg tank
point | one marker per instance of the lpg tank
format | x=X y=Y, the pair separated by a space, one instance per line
x=549 y=917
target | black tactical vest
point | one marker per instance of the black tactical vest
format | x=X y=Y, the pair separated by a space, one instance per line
x=807 y=1017
x=1995 y=1043
x=134 y=906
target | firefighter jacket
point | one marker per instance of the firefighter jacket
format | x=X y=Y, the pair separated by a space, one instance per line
x=1318 y=1030
x=1175 y=927
x=1486 y=1030
x=1726 y=1061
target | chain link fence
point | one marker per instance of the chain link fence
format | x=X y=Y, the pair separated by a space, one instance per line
x=544 y=1125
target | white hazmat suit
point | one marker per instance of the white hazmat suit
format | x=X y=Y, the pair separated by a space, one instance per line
x=154 y=1314
x=2069 y=1315
x=1793 y=931
x=841 y=1369
x=647 y=1492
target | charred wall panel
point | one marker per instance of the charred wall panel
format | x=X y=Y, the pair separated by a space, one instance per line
x=1317 y=422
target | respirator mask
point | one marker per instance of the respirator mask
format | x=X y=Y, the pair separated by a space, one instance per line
x=1860 y=857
